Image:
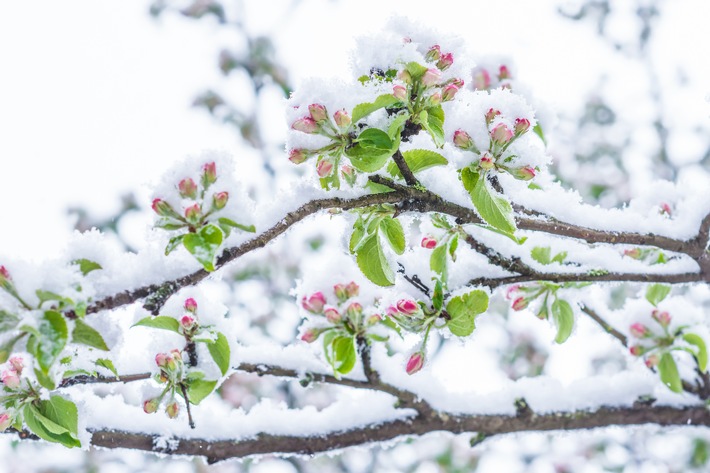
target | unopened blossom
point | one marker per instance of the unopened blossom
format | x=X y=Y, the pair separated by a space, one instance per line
x=209 y=174
x=187 y=188
x=486 y=162
x=162 y=208
x=348 y=173
x=407 y=306
x=663 y=318
x=449 y=92
x=172 y=409
x=5 y=421
x=636 y=350
x=524 y=173
x=429 y=242
x=481 y=79
x=318 y=112
x=161 y=359
x=10 y=379
x=521 y=125
x=193 y=213
x=503 y=72
x=352 y=289
x=666 y=209
x=415 y=363
x=190 y=305
x=399 y=92
x=634 y=253
x=462 y=139
x=342 y=119
x=305 y=125
x=353 y=311
x=404 y=76
x=435 y=98
x=432 y=76
x=491 y=115
x=17 y=364
x=310 y=335
x=520 y=303
x=652 y=360
x=332 y=315
x=314 y=303
x=639 y=330
x=187 y=322
x=373 y=319
x=445 y=61
x=297 y=156
x=219 y=200
x=324 y=168
x=500 y=134
x=433 y=54
x=151 y=405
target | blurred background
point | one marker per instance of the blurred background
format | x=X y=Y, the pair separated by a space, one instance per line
x=97 y=98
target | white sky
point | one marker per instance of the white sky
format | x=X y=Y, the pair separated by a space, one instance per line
x=95 y=96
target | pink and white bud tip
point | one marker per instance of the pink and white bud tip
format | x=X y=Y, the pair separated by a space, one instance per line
x=500 y=134
x=400 y=92
x=16 y=364
x=639 y=330
x=429 y=242
x=314 y=303
x=663 y=318
x=318 y=112
x=342 y=119
x=5 y=421
x=324 y=168
x=407 y=306
x=462 y=139
x=431 y=77
x=415 y=363
x=306 y=125
x=187 y=188
x=520 y=303
x=11 y=379
x=333 y=315
x=190 y=305
x=151 y=405
x=297 y=156
x=445 y=61
x=209 y=173
x=219 y=200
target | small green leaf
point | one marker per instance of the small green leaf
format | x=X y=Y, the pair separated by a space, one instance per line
x=8 y=321
x=437 y=299
x=494 y=209
x=364 y=109
x=541 y=254
x=463 y=311
x=46 y=296
x=453 y=245
x=702 y=355
x=45 y=380
x=173 y=244
x=52 y=336
x=341 y=354
x=54 y=420
x=415 y=70
x=397 y=125
x=6 y=348
x=87 y=335
x=225 y=222
x=374 y=188
x=433 y=121
x=162 y=322
x=668 y=370
x=220 y=352
x=368 y=159
x=358 y=235
x=560 y=257
x=204 y=245
x=537 y=129
x=394 y=233
x=656 y=293
x=374 y=138
x=108 y=364
x=198 y=389
x=86 y=266
x=563 y=315
x=372 y=262
x=437 y=262
x=418 y=160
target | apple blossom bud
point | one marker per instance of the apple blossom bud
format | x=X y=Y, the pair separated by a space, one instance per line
x=486 y=162
x=400 y=92
x=407 y=306
x=190 y=305
x=151 y=405
x=193 y=213
x=209 y=174
x=491 y=115
x=666 y=209
x=162 y=208
x=511 y=291
x=433 y=54
x=4 y=273
x=306 y=125
x=219 y=200
x=404 y=76
x=524 y=173
x=11 y=379
x=415 y=363
x=503 y=72
x=17 y=364
x=353 y=311
x=431 y=77
x=310 y=335
x=636 y=350
x=445 y=61
x=342 y=119
x=481 y=79
x=333 y=315
x=324 y=168
x=521 y=125
x=520 y=303
x=314 y=303
x=634 y=253
x=352 y=289
x=374 y=319
x=340 y=292
x=500 y=134
x=187 y=323
x=187 y=188
x=652 y=360
x=318 y=112
x=298 y=156
x=449 y=92
x=429 y=243
x=348 y=173
x=5 y=421
x=172 y=409
x=663 y=318
x=435 y=98
x=161 y=359
x=392 y=310
x=462 y=139
x=639 y=330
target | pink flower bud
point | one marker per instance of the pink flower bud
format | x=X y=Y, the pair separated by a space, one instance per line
x=17 y=364
x=520 y=303
x=187 y=323
x=151 y=405
x=639 y=330
x=314 y=303
x=636 y=350
x=634 y=253
x=415 y=363
x=374 y=319
x=666 y=209
x=352 y=289
x=433 y=54
x=521 y=125
x=187 y=188
x=486 y=162
x=462 y=139
x=435 y=98
x=431 y=77
x=400 y=92
x=663 y=318
x=333 y=315
x=457 y=82
x=511 y=291
x=429 y=243
x=407 y=306
x=172 y=409
x=503 y=72
x=318 y=112
x=481 y=79
x=5 y=421
x=342 y=119
x=324 y=168
x=162 y=208
x=11 y=379
x=340 y=292
x=190 y=305
x=297 y=156
x=219 y=200
x=652 y=360
x=445 y=61
x=209 y=174
x=310 y=335
x=524 y=173
x=353 y=311
x=348 y=173
x=161 y=359
x=404 y=76
x=5 y=274
x=193 y=213
x=491 y=115
x=306 y=125
x=500 y=134
x=392 y=310
x=449 y=92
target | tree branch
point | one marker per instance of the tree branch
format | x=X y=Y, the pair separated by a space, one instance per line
x=404 y=169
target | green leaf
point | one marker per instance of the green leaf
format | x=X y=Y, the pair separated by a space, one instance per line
x=8 y=321
x=541 y=254
x=463 y=311
x=563 y=315
x=108 y=364
x=45 y=380
x=393 y=231
x=61 y=411
x=418 y=160
x=397 y=125
x=225 y=222
x=162 y=322
x=368 y=159
x=669 y=373
x=204 y=245
x=198 y=389
x=437 y=299
x=493 y=208
x=702 y=355
x=54 y=420
x=52 y=335
x=437 y=262
x=364 y=109
x=537 y=129
x=6 y=348
x=415 y=70
x=453 y=245
x=374 y=138
x=433 y=121
x=341 y=354
x=220 y=352
x=87 y=335
x=173 y=244
x=374 y=188
x=372 y=262
x=358 y=235
x=560 y=257
x=656 y=293
x=46 y=296
x=86 y=266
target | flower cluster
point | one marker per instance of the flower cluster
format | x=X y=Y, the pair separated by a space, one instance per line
x=13 y=387
x=484 y=79
x=651 y=344
x=172 y=372
x=189 y=325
